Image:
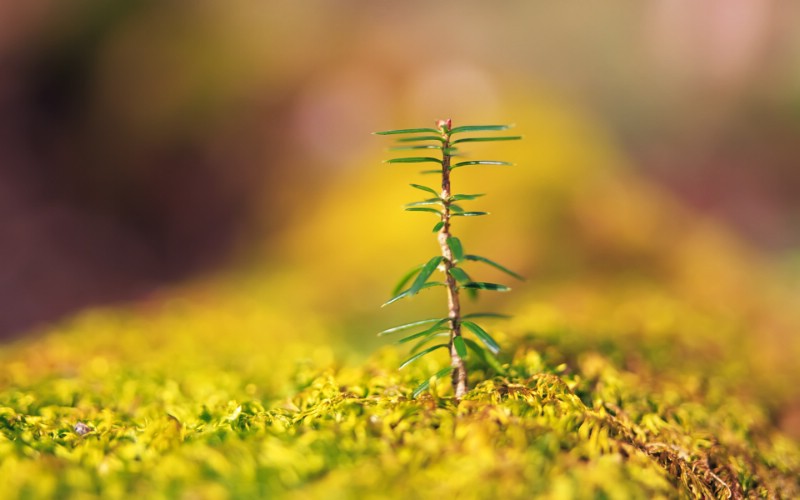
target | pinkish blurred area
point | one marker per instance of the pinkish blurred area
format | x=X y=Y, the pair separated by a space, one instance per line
x=142 y=143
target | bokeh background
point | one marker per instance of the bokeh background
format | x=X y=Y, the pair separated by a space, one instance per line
x=147 y=145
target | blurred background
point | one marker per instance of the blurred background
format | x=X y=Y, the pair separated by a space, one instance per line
x=144 y=144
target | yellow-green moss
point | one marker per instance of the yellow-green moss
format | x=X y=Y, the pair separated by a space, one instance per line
x=207 y=416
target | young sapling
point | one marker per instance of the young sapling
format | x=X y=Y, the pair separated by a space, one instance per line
x=445 y=204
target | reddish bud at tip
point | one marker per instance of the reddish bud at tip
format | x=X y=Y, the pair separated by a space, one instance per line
x=445 y=125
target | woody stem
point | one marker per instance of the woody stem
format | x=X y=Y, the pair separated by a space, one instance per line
x=459 y=376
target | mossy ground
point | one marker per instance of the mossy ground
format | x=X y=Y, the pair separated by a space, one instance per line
x=178 y=406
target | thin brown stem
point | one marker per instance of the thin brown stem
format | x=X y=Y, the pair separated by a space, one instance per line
x=454 y=306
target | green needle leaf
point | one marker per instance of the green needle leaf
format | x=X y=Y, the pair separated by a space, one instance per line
x=421 y=354
x=488 y=139
x=482 y=285
x=429 y=201
x=430 y=333
x=438 y=226
x=414 y=159
x=494 y=264
x=409 y=325
x=436 y=376
x=406 y=293
x=486 y=315
x=423 y=209
x=432 y=201
x=460 y=275
x=461 y=348
x=427 y=172
x=484 y=337
x=425 y=188
x=405 y=279
x=479 y=128
x=461 y=197
x=424 y=274
x=407 y=131
x=456 y=248
x=419 y=146
x=421 y=138
x=480 y=162
x=468 y=214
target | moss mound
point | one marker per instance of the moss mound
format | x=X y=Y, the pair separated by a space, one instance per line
x=145 y=408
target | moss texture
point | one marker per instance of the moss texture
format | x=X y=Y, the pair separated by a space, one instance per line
x=172 y=407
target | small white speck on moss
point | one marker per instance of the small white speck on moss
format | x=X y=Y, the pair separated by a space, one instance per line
x=82 y=429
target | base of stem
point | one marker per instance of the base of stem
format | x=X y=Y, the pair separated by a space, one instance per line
x=459 y=376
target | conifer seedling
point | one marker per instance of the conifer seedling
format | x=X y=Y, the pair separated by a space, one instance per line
x=444 y=142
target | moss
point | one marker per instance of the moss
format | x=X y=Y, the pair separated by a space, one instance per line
x=109 y=416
